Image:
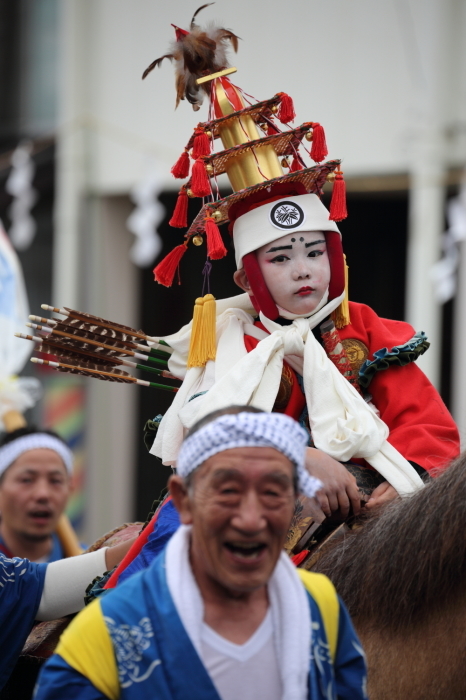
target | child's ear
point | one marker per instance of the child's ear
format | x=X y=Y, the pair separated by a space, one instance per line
x=241 y=279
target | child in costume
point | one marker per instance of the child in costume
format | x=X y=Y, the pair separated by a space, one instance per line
x=290 y=263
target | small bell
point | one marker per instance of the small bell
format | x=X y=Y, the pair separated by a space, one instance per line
x=198 y=240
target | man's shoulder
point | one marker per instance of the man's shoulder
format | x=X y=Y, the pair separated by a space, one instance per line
x=319 y=587
x=324 y=596
x=127 y=598
x=87 y=648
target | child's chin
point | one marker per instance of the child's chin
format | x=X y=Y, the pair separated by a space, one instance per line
x=302 y=306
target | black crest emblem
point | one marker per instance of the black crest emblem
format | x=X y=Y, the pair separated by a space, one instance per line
x=286 y=215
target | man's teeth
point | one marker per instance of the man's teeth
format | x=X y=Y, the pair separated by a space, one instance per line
x=248 y=550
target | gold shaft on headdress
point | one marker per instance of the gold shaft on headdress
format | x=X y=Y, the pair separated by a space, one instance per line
x=247 y=168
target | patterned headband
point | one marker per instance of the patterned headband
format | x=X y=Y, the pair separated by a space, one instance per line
x=249 y=430
x=36 y=441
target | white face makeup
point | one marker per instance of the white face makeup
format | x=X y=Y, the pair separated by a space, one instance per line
x=296 y=270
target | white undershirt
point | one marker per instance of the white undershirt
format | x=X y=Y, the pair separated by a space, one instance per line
x=243 y=671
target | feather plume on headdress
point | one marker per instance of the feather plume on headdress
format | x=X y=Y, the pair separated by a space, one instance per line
x=196 y=53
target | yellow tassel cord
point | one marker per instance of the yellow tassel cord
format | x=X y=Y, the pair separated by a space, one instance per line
x=203 y=343
x=341 y=315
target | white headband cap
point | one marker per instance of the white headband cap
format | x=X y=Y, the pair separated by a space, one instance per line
x=303 y=212
x=35 y=441
x=249 y=430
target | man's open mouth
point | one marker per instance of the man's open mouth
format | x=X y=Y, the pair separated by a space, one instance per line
x=40 y=515
x=245 y=550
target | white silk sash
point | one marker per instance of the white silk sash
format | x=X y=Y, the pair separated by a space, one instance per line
x=343 y=425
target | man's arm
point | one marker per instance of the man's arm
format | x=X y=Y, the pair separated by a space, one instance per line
x=84 y=662
x=58 y=675
x=66 y=580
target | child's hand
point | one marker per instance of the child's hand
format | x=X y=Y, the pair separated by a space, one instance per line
x=382 y=494
x=340 y=491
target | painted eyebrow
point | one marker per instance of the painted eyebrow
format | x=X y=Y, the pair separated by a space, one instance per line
x=314 y=243
x=281 y=247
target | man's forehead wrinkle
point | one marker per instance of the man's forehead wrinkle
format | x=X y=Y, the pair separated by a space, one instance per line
x=220 y=474
x=41 y=469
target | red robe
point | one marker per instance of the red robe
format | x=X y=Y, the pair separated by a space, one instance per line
x=421 y=427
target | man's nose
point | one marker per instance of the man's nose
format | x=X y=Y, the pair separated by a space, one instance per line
x=249 y=517
x=42 y=490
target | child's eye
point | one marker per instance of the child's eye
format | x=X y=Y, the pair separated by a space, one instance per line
x=279 y=258
x=315 y=253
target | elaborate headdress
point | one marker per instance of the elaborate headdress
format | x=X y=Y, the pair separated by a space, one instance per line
x=263 y=158
x=273 y=189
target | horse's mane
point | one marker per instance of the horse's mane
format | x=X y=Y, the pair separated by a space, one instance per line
x=408 y=559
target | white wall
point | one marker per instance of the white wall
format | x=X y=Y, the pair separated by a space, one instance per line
x=357 y=66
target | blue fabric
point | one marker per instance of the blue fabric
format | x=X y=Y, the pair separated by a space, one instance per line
x=21 y=586
x=57 y=550
x=347 y=679
x=156 y=658
x=57 y=675
x=167 y=523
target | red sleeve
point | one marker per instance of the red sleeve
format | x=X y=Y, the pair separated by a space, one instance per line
x=421 y=427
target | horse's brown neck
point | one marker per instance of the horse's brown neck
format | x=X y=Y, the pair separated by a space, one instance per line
x=425 y=662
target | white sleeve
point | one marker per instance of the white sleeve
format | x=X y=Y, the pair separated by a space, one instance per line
x=66 y=582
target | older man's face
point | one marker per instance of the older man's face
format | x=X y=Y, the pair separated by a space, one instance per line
x=240 y=506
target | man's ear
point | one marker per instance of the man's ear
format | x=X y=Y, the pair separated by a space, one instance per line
x=181 y=499
x=241 y=279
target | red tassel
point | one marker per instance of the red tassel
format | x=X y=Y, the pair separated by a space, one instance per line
x=338 y=204
x=319 y=145
x=164 y=272
x=271 y=129
x=201 y=145
x=298 y=558
x=296 y=165
x=286 y=113
x=215 y=246
x=181 y=168
x=180 y=214
x=200 y=183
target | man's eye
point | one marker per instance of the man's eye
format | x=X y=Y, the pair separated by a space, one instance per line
x=315 y=253
x=275 y=493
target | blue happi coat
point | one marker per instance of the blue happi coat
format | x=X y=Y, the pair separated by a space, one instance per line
x=21 y=586
x=131 y=644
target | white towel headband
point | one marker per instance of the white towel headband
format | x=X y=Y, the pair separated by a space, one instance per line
x=249 y=430
x=35 y=441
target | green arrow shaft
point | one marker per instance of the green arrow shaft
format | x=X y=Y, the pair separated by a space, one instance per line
x=156 y=361
x=159 y=353
x=165 y=387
